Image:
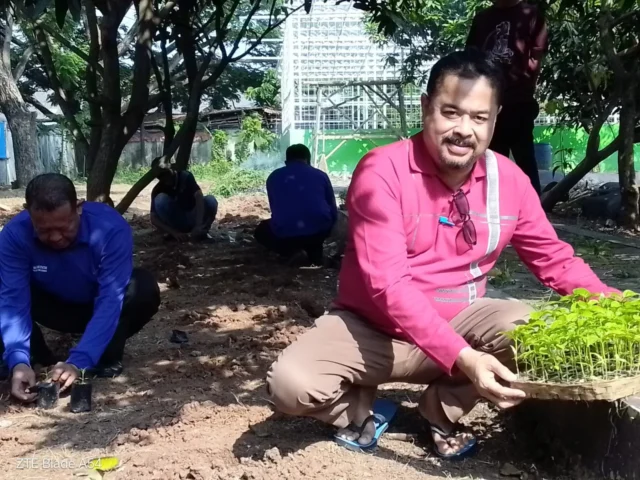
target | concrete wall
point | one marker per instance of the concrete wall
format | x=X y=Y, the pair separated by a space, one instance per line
x=57 y=154
x=138 y=155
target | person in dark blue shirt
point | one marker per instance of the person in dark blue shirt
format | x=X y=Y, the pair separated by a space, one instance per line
x=179 y=208
x=303 y=208
x=68 y=265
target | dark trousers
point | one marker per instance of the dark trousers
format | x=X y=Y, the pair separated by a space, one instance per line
x=141 y=302
x=312 y=245
x=514 y=134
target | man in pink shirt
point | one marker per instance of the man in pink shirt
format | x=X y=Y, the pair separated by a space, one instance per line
x=428 y=218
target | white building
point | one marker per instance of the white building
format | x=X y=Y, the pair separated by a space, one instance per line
x=339 y=95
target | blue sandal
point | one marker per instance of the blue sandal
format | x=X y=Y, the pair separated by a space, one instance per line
x=465 y=452
x=383 y=413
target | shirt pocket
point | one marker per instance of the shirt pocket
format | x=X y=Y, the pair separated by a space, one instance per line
x=421 y=230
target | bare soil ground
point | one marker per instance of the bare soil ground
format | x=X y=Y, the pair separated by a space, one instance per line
x=199 y=411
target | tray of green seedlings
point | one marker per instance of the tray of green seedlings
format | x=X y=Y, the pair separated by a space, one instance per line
x=580 y=347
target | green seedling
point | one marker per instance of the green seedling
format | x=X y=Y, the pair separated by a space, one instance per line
x=580 y=338
x=83 y=377
x=595 y=249
x=499 y=277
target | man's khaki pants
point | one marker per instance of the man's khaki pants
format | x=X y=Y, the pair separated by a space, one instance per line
x=332 y=371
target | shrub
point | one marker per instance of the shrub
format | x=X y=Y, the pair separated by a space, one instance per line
x=229 y=179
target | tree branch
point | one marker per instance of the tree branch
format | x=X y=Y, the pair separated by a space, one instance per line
x=165 y=11
x=95 y=107
x=8 y=35
x=66 y=43
x=129 y=37
x=604 y=22
x=169 y=127
x=628 y=52
x=266 y=32
x=135 y=28
x=111 y=98
x=243 y=30
x=39 y=78
x=22 y=64
x=19 y=42
x=624 y=17
x=154 y=101
x=44 y=110
x=156 y=71
x=137 y=108
x=63 y=98
x=593 y=142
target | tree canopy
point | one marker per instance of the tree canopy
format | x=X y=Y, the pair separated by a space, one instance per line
x=106 y=73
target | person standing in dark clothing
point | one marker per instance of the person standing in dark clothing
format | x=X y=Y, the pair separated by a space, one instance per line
x=68 y=265
x=303 y=208
x=514 y=33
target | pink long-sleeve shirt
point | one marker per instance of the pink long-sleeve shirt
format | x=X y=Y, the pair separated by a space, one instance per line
x=402 y=270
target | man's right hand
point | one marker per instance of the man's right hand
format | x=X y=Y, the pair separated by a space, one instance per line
x=484 y=370
x=22 y=379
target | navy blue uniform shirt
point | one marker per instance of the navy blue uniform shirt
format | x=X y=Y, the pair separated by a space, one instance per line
x=183 y=191
x=96 y=268
x=302 y=201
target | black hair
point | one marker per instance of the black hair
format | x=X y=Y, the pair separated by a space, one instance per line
x=298 y=153
x=469 y=64
x=50 y=191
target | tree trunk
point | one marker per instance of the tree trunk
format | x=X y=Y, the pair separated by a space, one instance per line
x=184 y=153
x=593 y=156
x=591 y=161
x=167 y=99
x=95 y=107
x=105 y=165
x=81 y=154
x=626 y=169
x=136 y=189
x=187 y=47
x=22 y=124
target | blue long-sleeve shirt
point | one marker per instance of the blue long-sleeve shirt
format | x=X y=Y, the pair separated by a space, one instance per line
x=96 y=268
x=302 y=201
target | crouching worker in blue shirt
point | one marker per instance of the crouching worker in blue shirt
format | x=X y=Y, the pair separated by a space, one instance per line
x=303 y=208
x=68 y=265
x=179 y=208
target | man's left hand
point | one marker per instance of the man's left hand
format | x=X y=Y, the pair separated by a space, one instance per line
x=64 y=374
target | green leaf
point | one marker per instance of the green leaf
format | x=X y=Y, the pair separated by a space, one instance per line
x=582 y=293
x=104 y=464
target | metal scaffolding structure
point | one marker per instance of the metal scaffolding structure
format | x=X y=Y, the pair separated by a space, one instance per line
x=382 y=104
x=336 y=83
